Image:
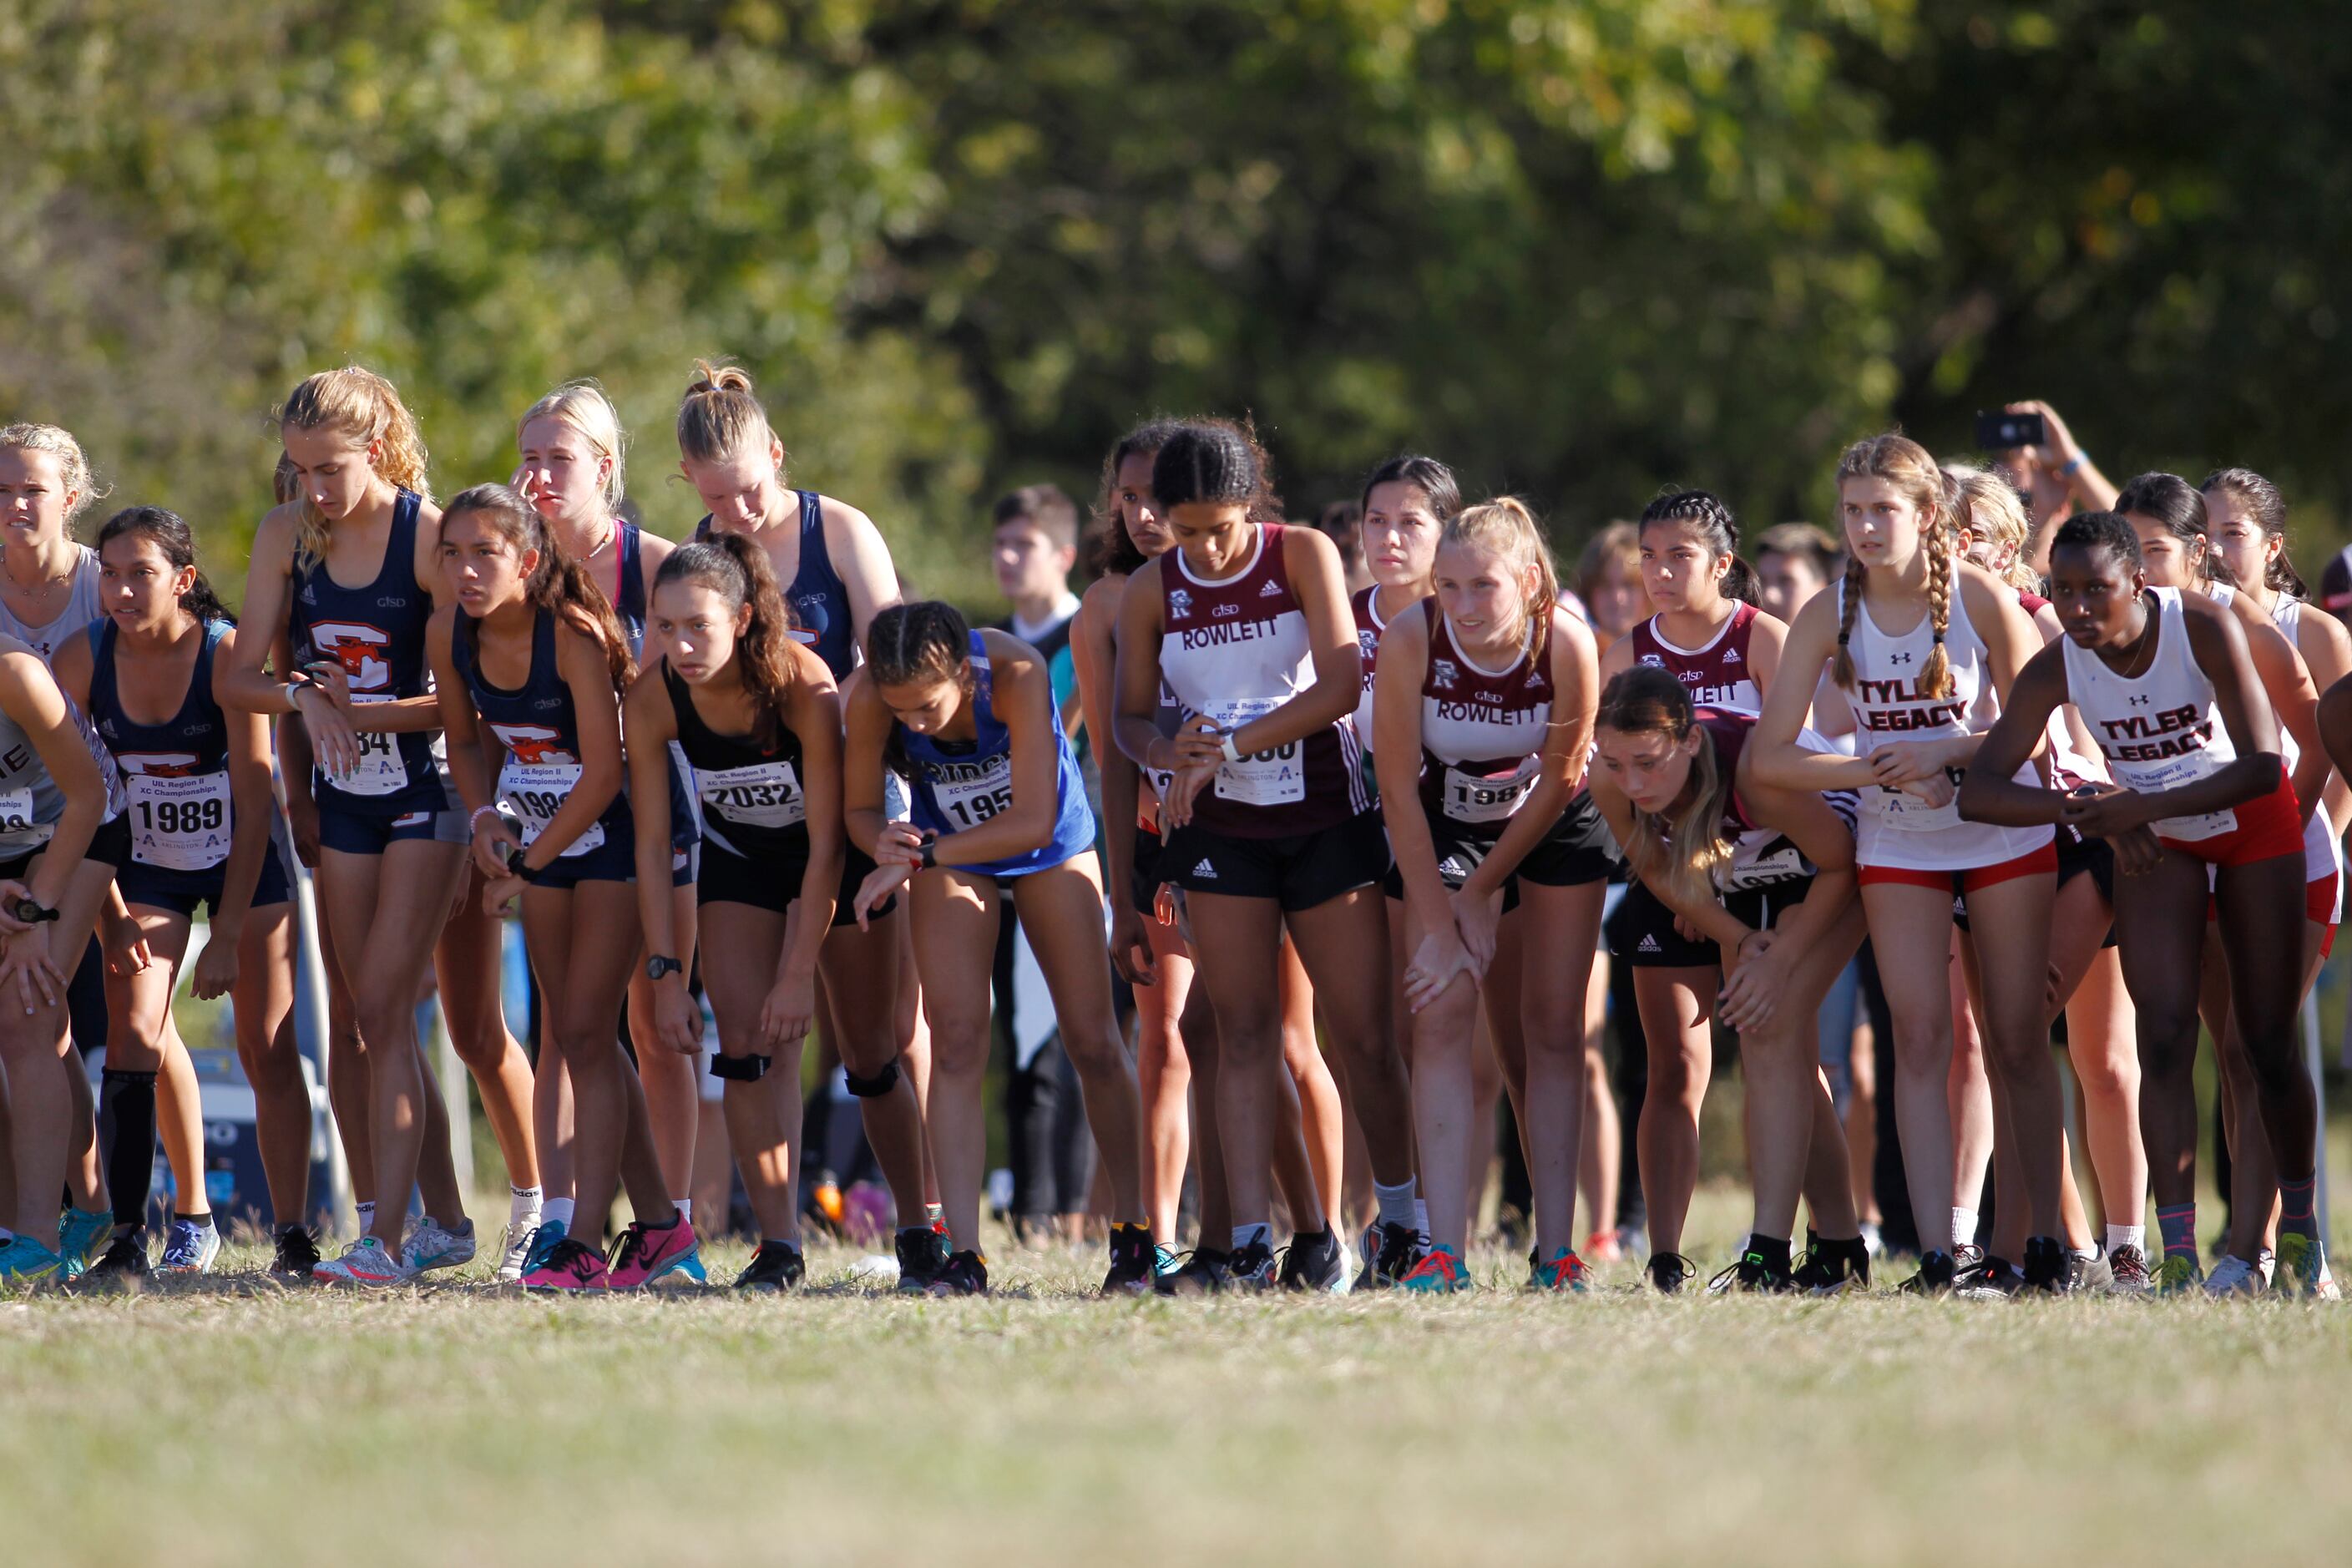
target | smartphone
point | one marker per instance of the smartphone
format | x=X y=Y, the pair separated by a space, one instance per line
x=2000 y=432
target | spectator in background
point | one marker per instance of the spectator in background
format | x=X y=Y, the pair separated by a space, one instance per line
x=1609 y=582
x=1794 y=560
x=1034 y=546
x=2055 y=480
x=1342 y=522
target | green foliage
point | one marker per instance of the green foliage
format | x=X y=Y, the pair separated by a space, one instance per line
x=1579 y=247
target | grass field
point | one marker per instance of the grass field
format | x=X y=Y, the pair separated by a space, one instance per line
x=232 y=1422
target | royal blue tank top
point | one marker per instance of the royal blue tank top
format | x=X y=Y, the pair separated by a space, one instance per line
x=539 y=726
x=176 y=774
x=818 y=597
x=376 y=632
x=962 y=783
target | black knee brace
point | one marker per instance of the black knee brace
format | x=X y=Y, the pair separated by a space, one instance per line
x=873 y=1087
x=741 y=1070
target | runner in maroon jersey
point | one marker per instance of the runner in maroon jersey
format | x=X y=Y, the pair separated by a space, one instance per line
x=1406 y=502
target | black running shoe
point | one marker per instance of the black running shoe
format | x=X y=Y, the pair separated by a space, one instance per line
x=1388 y=1262
x=1313 y=1261
x=296 y=1254
x=777 y=1266
x=1205 y=1271
x=124 y=1265
x=963 y=1274
x=1967 y=1262
x=1833 y=1268
x=1252 y=1267
x=1753 y=1273
x=1134 y=1261
x=1935 y=1278
x=1996 y=1281
x=1670 y=1271
x=2047 y=1267
x=922 y=1253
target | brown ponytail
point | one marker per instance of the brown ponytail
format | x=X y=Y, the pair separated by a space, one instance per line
x=561 y=585
x=737 y=569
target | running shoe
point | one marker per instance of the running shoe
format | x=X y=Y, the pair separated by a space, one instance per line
x=1969 y=1260
x=1165 y=1260
x=432 y=1245
x=122 y=1264
x=297 y=1254
x=1601 y=1247
x=1440 y=1270
x=1833 y=1268
x=2302 y=1265
x=2127 y=1273
x=2048 y=1267
x=2267 y=1265
x=570 y=1266
x=1996 y=1279
x=646 y=1252
x=1873 y=1240
x=1314 y=1261
x=2178 y=1274
x=24 y=1261
x=1565 y=1271
x=543 y=1237
x=1937 y=1272
x=1669 y=1272
x=82 y=1235
x=1133 y=1261
x=515 y=1247
x=776 y=1266
x=1754 y=1273
x=2233 y=1275
x=189 y=1248
x=365 y=1262
x=1390 y=1253
x=963 y=1274
x=1204 y=1271
x=1252 y=1269
x=922 y=1253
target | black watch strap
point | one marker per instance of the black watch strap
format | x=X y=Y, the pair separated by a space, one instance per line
x=33 y=913
x=661 y=963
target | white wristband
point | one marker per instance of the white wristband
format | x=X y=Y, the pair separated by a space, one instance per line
x=1232 y=752
x=474 y=823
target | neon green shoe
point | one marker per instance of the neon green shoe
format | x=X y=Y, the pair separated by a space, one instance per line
x=2178 y=1275
x=2303 y=1267
x=1441 y=1270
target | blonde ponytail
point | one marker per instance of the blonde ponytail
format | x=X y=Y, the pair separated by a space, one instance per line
x=357 y=402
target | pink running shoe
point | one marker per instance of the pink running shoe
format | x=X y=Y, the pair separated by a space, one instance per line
x=569 y=1266
x=646 y=1252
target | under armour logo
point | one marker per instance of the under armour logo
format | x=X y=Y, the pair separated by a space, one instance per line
x=2138 y=700
x=1898 y=658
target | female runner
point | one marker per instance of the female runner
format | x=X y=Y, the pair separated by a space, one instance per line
x=1000 y=809
x=348 y=570
x=1247 y=623
x=757 y=718
x=201 y=813
x=1766 y=875
x=1925 y=645
x=2167 y=683
x=1482 y=732
x=531 y=653
x=1708 y=634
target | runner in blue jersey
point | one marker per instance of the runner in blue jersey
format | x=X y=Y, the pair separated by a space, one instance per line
x=202 y=820
x=529 y=663
x=999 y=808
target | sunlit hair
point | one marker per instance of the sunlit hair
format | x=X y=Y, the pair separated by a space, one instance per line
x=582 y=406
x=73 y=469
x=2178 y=508
x=1701 y=514
x=1507 y=531
x=720 y=415
x=364 y=407
x=2267 y=509
x=1686 y=847
x=1988 y=507
x=560 y=584
x=738 y=570
x=1906 y=465
x=1217 y=461
x=923 y=641
x=173 y=539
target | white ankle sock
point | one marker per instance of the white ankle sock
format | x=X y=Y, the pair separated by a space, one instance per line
x=685 y=1209
x=2127 y=1235
x=1964 y=1226
x=558 y=1211
x=527 y=1200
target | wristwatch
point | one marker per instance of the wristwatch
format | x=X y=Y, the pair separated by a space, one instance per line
x=661 y=963
x=930 y=854
x=32 y=911
x=1232 y=752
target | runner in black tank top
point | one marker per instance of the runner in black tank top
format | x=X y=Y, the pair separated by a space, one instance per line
x=761 y=721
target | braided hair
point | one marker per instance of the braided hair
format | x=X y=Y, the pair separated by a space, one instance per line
x=928 y=640
x=1908 y=466
x=1218 y=462
x=176 y=543
x=1703 y=514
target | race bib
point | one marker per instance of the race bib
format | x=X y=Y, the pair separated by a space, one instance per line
x=17 y=817
x=382 y=769
x=975 y=793
x=1274 y=777
x=1473 y=797
x=2185 y=770
x=1779 y=861
x=764 y=794
x=179 y=822
x=1907 y=813
x=535 y=792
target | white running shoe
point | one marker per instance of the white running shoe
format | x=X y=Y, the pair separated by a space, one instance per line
x=363 y=1262
x=2233 y=1275
x=430 y=1246
x=514 y=1249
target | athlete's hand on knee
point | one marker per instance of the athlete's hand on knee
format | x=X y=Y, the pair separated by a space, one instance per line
x=2106 y=810
x=1474 y=920
x=898 y=844
x=2136 y=852
x=493 y=836
x=879 y=884
x=1131 y=948
x=1751 y=992
x=785 y=1015
x=126 y=945
x=12 y=893
x=1184 y=788
x=1440 y=959
x=30 y=973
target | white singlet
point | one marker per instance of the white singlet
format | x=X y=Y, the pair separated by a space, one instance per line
x=2158 y=731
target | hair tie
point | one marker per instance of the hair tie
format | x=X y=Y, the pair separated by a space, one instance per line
x=1939 y=636
x=1842 y=639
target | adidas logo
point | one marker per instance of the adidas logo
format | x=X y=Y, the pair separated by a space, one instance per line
x=1451 y=866
x=1269 y=590
x=1649 y=944
x=1206 y=870
x=1731 y=656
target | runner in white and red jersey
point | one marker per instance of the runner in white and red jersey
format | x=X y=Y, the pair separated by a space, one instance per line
x=1268 y=821
x=2167 y=683
x=1925 y=646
